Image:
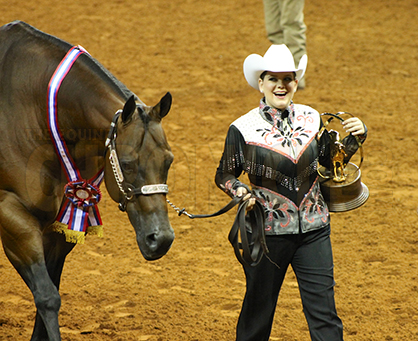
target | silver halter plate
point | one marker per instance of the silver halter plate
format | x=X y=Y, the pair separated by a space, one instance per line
x=154 y=189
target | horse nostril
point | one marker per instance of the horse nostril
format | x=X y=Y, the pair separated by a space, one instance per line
x=159 y=241
x=152 y=241
x=152 y=238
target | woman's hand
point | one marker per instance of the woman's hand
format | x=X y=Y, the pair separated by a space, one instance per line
x=242 y=192
x=354 y=126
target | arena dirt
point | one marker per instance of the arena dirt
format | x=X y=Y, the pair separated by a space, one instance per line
x=362 y=59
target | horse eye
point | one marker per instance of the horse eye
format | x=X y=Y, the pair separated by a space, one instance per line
x=128 y=167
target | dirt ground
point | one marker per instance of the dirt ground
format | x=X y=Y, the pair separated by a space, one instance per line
x=362 y=59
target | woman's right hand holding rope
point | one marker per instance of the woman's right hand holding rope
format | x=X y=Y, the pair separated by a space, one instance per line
x=242 y=192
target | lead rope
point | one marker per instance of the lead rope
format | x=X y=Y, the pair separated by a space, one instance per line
x=178 y=210
x=242 y=250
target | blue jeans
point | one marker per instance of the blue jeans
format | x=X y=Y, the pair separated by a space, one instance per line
x=310 y=256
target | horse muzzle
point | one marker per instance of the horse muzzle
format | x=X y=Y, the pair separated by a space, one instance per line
x=154 y=234
x=157 y=243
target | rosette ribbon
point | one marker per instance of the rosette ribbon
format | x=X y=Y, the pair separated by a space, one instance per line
x=78 y=214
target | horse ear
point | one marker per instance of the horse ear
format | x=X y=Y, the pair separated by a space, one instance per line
x=163 y=107
x=128 y=109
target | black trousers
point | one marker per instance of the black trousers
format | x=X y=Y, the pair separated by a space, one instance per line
x=310 y=256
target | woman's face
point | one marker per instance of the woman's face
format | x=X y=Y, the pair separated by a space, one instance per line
x=278 y=88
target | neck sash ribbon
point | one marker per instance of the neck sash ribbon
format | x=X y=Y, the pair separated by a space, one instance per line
x=79 y=213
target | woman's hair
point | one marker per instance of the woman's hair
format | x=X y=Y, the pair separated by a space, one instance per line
x=264 y=74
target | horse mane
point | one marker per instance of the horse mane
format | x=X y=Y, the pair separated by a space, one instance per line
x=107 y=76
x=90 y=61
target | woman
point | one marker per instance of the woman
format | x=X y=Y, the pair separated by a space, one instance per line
x=277 y=145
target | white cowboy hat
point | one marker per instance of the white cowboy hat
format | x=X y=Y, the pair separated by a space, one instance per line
x=278 y=58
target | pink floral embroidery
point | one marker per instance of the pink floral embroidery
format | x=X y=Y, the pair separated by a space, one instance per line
x=285 y=135
x=322 y=214
x=308 y=207
x=228 y=187
x=273 y=208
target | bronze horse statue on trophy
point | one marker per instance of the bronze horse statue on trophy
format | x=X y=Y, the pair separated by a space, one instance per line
x=338 y=156
x=96 y=129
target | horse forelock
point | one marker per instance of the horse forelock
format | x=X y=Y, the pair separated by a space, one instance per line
x=145 y=124
x=146 y=114
x=143 y=115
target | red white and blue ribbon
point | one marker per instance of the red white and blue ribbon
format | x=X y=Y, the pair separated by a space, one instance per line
x=79 y=212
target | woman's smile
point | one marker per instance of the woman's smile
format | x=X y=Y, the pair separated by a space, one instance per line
x=280 y=94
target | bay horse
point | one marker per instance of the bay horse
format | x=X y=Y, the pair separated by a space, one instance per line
x=92 y=107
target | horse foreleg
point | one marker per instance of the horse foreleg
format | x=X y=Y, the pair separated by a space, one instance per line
x=23 y=245
x=47 y=301
x=55 y=250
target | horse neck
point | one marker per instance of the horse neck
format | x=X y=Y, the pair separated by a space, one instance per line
x=87 y=111
x=84 y=115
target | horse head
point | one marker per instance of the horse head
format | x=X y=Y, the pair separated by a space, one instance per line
x=136 y=173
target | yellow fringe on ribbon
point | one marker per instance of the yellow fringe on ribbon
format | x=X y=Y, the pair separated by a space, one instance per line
x=76 y=237
x=95 y=230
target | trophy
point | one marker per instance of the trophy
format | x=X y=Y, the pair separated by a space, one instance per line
x=340 y=183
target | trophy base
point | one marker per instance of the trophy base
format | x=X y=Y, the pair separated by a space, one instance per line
x=346 y=195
